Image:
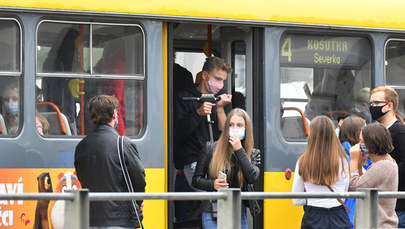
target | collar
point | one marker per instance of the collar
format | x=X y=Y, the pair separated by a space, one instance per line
x=391 y=124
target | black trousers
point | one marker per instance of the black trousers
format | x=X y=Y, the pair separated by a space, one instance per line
x=317 y=217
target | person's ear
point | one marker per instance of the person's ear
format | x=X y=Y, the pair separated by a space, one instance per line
x=205 y=76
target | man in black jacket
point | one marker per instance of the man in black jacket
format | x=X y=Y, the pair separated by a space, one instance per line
x=98 y=167
x=383 y=108
x=190 y=125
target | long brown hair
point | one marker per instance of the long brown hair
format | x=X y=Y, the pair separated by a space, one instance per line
x=322 y=158
x=223 y=152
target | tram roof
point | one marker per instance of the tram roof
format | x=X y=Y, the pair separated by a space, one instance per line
x=340 y=13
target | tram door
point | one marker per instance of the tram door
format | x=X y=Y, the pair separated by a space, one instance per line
x=187 y=49
x=236 y=48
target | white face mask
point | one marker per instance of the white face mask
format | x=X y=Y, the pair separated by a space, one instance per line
x=240 y=132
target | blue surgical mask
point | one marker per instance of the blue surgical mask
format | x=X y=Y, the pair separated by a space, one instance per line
x=240 y=132
x=11 y=108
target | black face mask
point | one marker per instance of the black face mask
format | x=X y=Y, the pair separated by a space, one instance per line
x=376 y=112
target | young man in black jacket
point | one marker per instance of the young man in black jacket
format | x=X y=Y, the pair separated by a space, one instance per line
x=98 y=168
x=190 y=125
x=383 y=108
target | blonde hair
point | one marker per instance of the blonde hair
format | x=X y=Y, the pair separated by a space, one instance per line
x=322 y=158
x=222 y=156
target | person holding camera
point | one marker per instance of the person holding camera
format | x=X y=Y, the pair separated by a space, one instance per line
x=190 y=121
x=232 y=162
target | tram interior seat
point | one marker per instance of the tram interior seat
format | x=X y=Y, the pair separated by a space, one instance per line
x=293 y=128
x=54 y=124
x=3 y=126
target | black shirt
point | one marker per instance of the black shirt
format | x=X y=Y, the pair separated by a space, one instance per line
x=397 y=131
x=190 y=129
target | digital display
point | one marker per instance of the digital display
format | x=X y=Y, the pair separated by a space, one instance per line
x=300 y=50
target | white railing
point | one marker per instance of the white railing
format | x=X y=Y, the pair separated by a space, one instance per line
x=229 y=202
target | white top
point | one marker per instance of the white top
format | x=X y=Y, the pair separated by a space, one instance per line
x=341 y=185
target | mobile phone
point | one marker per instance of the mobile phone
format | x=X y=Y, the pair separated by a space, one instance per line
x=221 y=175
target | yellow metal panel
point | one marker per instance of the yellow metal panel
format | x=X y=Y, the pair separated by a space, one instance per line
x=165 y=99
x=280 y=213
x=366 y=13
x=155 y=211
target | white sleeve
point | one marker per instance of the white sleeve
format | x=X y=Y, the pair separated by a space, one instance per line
x=298 y=186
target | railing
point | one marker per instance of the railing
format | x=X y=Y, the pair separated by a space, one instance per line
x=229 y=202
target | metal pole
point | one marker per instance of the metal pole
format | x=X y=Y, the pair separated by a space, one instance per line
x=229 y=209
x=367 y=209
x=77 y=211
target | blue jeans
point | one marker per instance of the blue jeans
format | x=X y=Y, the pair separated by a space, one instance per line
x=401 y=219
x=208 y=223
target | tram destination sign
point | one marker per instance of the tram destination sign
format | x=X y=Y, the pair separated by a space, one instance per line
x=324 y=51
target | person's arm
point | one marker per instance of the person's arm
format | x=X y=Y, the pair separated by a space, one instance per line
x=374 y=176
x=221 y=113
x=186 y=118
x=356 y=159
x=199 y=179
x=399 y=147
x=298 y=186
x=250 y=169
x=135 y=167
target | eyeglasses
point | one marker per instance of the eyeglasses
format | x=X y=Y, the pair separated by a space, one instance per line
x=376 y=102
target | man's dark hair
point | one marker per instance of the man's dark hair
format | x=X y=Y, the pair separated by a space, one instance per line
x=342 y=116
x=377 y=138
x=102 y=108
x=214 y=62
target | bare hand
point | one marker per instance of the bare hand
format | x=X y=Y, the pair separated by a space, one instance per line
x=141 y=208
x=235 y=142
x=355 y=153
x=225 y=99
x=205 y=108
x=220 y=183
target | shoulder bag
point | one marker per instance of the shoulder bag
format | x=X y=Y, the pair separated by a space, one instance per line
x=127 y=178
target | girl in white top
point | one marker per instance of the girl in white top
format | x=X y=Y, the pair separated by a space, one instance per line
x=323 y=163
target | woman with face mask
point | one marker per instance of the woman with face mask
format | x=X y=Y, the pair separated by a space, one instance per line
x=10 y=108
x=234 y=157
x=376 y=144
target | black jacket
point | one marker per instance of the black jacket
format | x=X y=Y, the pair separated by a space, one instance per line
x=191 y=129
x=250 y=170
x=98 y=169
x=397 y=131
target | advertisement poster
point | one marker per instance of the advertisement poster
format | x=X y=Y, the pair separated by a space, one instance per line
x=34 y=214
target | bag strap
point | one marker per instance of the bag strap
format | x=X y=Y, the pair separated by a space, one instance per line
x=127 y=178
x=340 y=200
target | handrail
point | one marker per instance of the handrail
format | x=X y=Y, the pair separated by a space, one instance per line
x=304 y=119
x=77 y=204
x=62 y=126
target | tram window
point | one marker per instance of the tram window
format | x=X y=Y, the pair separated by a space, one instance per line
x=322 y=75
x=113 y=44
x=10 y=77
x=70 y=73
x=61 y=46
x=395 y=70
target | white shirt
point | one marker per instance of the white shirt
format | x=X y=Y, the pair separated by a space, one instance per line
x=341 y=185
